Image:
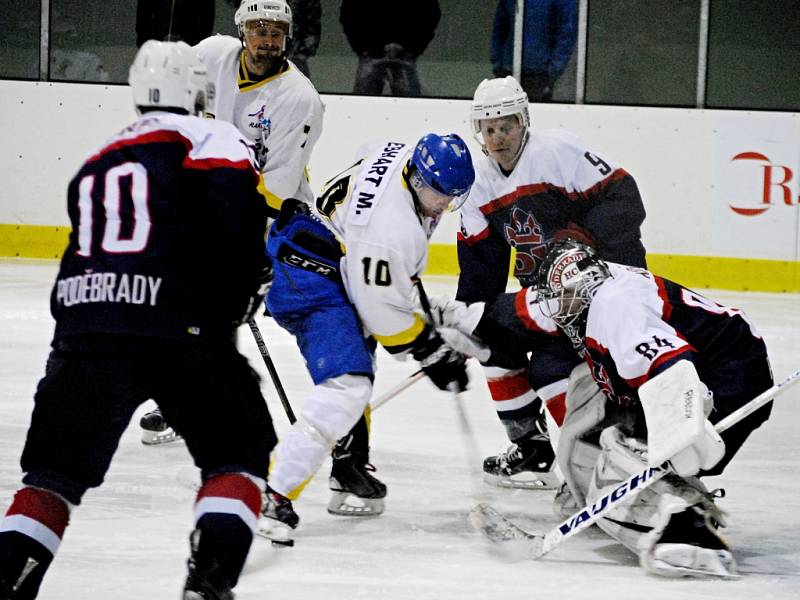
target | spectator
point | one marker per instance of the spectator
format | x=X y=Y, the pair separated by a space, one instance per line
x=187 y=20
x=388 y=37
x=306 y=31
x=549 y=32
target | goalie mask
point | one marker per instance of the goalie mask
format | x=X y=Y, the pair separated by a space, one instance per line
x=566 y=283
x=170 y=76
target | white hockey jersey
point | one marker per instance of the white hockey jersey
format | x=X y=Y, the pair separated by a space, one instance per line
x=558 y=185
x=282 y=115
x=371 y=211
x=639 y=324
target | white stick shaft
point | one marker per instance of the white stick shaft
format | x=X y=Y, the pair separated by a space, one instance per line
x=403 y=385
x=639 y=482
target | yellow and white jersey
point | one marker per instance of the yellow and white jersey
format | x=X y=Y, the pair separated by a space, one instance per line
x=371 y=211
x=281 y=114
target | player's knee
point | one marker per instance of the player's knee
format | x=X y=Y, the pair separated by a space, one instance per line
x=236 y=494
x=64 y=487
x=336 y=405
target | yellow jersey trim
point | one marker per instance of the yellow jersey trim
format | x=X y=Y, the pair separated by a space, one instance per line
x=244 y=81
x=404 y=337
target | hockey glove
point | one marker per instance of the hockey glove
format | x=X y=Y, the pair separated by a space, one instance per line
x=448 y=312
x=445 y=367
x=263 y=283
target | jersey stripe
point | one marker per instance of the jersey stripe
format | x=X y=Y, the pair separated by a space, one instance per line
x=404 y=337
x=534 y=189
x=473 y=239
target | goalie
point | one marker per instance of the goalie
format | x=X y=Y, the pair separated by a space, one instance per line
x=662 y=364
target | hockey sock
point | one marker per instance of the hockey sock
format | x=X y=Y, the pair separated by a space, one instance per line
x=515 y=401
x=226 y=513
x=30 y=535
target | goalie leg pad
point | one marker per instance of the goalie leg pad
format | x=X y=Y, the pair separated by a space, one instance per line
x=671 y=525
x=585 y=409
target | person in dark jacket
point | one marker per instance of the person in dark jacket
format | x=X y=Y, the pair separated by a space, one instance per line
x=549 y=31
x=186 y=20
x=306 y=31
x=388 y=37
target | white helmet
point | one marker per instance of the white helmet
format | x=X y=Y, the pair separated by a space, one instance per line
x=499 y=98
x=267 y=10
x=169 y=75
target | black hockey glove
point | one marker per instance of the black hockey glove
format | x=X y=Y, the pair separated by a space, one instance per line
x=263 y=283
x=445 y=367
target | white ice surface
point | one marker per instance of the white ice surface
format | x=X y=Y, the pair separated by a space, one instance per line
x=128 y=540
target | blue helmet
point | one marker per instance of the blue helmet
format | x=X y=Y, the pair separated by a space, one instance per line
x=444 y=163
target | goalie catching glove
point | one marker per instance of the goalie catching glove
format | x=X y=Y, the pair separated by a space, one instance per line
x=676 y=404
x=445 y=367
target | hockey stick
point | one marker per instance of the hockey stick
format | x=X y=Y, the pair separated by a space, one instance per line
x=273 y=373
x=463 y=420
x=500 y=529
x=402 y=386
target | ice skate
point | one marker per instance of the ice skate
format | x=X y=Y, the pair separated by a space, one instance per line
x=690 y=547
x=527 y=464
x=356 y=492
x=205 y=584
x=277 y=519
x=155 y=429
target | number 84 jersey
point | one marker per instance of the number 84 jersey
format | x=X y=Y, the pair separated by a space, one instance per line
x=370 y=210
x=639 y=324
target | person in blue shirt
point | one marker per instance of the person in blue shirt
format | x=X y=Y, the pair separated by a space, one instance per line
x=550 y=29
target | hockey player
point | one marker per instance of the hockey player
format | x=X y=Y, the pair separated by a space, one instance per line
x=165 y=259
x=348 y=268
x=272 y=104
x=276 y=107
x=530 y=188
x=670 y=363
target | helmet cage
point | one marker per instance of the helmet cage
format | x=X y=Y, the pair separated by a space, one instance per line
x=567 y=281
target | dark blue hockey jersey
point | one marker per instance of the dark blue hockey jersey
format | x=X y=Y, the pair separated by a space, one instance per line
x=167 y=233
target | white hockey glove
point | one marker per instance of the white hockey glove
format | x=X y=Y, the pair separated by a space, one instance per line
x=449 y=312
x=464 y=344
x=675 y=405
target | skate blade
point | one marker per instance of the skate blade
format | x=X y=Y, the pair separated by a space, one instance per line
x=276 y=532
x=350 y=505
x=524 y=481
x=155 y=438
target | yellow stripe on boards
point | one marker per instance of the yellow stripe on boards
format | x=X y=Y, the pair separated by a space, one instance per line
x=709 y=272
x=712 y=272
x=33 y=241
